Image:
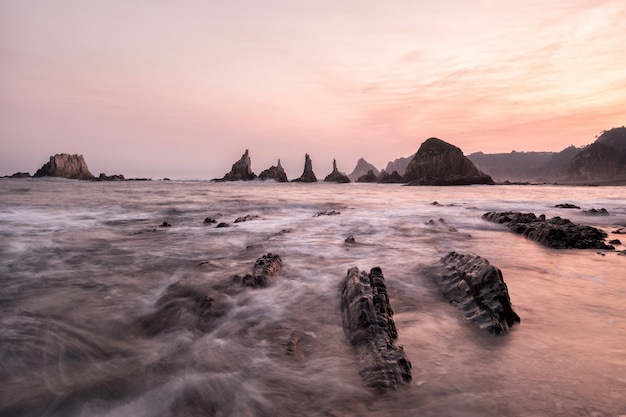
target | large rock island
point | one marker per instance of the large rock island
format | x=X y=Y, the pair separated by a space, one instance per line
x=440 y=163
x=240 y=171
x=65 y=166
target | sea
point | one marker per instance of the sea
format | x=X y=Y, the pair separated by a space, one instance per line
x=86 y=329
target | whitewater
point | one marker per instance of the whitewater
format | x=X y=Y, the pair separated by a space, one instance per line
x=84 y=264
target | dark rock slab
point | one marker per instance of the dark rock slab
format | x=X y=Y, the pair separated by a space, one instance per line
x=336 y=176
x=114 y=177
x=65 y=166
x=596 y=212
x=276 y=173
x=368 y=324
x=210 y=220
x=241 y=170
x=264 y=268
x=308 y=175
x=567 y=206
x=557 y=233
x=476 y=288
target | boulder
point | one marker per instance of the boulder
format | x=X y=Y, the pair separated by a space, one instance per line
x=240 y=171
x=369 y=177
x=264 y=268
x=65 y=166
x=476 y=288
x=308 y=175
x=336 y=176
x=276 y=173
x=393 y=178
x=440 y=163
x=368 y=323
x=362 y=168
x=557 y=233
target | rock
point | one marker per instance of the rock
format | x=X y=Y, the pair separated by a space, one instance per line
x=594 y=212
x=327 y=213
x=399 y=165
x=350 y=240
x=308 y=175
x=615 y=242
x=209 y=220
x=165 y=224
x=222 y=224
x=620 y=231
x=476 y=288
x=557 y=233
x=104 y=177
x=246 y=218
x=65 y=166
x=241 y=170
x=393 y=178
x=20 y=175
x=276 y=173
x=337 y=176
x=368 y=323
x=361 y=169
x=440 y=163
x=567 y=206
x=369 y=177
x=264 y=268
x=603 y=160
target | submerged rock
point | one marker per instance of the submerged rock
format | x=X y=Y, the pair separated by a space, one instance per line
x=368 y=323
x=476 y=288
x=336 y=176
x=241 y=170
x=65 y=166
x=308 y=175
x=276 y=173
x=557 y=233
x=264 y=268
x=440 y=163
x=246 y=218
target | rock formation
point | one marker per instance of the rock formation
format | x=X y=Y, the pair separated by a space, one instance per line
x=241 y=170
x=399 y=164
x=368 y=324
x=362 y=168
x=276 y=173
x=66 y=166
x=369 y=177
x=557 y=233
x=20 y=175
x=336 y=176
x=393 y=178
x=440 y=163
x=308 y=175
x=264 y=268
x=598 y=162
x=476 y=288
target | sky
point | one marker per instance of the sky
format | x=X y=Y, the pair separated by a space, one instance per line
x=155 y=88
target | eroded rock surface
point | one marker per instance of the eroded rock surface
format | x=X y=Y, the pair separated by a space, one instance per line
x=264 y=268
x=476 y=288
x=368 y=324
x=65 y=166
x=557 y=232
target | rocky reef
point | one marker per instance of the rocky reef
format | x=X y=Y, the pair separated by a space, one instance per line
x=440 y=163
x=368 y=324
x=336 y=176
x=308 y=175
x=557 y=232
x=276 y=173
x=240 y=171
x=65 y=166
x=476 y=288
x=264 y=268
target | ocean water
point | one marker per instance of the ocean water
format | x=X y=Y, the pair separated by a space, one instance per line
x=84 y=330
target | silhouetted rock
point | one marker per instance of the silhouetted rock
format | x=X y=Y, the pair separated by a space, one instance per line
x=557 y=233
x=308 y=175
x=65 y=166
x=264 y=268
x=362 y=168
x=440 y=163
x=20 y=175
x=596 y=212
x=104 y=177
x=369 y=177
x=476 y=288
x=399 y=165
x=393 y=178
x=598 y=162
x=276 y=173
x=336 y=176
x=241 y=170
x=368 y=323
x=222 y=224
x=567 y=206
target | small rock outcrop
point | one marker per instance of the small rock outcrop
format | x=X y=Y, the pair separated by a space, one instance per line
x=276 y=173
x=308 y=175
x=476 y=288
x=114 y=177
x=387 y=178
x=368 y=323
x=264 y=268
x=336 y=176
x=556 y=233
x=440 y=163
x=362 y=168
x=65 y=166
x=369 y=177
x=241 y=170
x=20 y=175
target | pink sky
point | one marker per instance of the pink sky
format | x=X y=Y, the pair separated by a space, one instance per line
x=180 y=89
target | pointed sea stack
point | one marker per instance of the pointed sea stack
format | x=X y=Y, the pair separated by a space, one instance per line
x=240 y=171
x=336 y=176
x=440 y=163
x=276 y=173
x=65 y=166
x=362 y=168
x=387 y=178
x=308 y=175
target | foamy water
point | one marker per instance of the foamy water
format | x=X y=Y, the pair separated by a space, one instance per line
x=83 y=264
